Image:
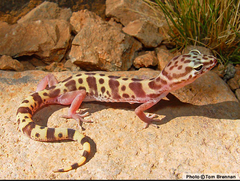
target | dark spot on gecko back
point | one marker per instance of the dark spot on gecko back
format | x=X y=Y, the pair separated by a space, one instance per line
x=123 y=88
x=125 y=95
x=114 y=84
x=54 y=93
x=45 y=94
x=103 y=89
x=92 y=85
x=101 y=80
x=136 y=87
x=71 y=85
x=80 y=80
x=153 y=85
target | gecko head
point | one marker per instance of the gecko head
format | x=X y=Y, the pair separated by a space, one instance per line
x=184 y=69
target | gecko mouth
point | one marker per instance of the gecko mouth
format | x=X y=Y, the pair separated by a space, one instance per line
x=213 y=64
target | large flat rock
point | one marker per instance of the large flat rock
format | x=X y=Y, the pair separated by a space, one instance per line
x=199 y=133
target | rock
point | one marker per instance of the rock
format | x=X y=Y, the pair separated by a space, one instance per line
x=92 y=48
x=220 y=91
x=164 y=56
x=48 y=39
x=145 y=32
x=5 y=28
x=70 y=66
x=145 y=59
x=8 y=63
x=229 y=72
x=112 y=22
x=27 y=65
x=55 y=67
x=125 y=11
x=237 y=93
x=80 y=18
x=12 y=11
x=233 y=83
x=47 y=10
x=198 y=133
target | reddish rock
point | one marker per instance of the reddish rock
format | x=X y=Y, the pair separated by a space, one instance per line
x=48 y=39
x=70 y=66
x=8 y=63
x=92 y=48
x=80 y=18
x=237 y=93
x=145 y=32
x=233 y=83
x=164 y=56
x=127 y=11
x=47 y=10
x=145 y=59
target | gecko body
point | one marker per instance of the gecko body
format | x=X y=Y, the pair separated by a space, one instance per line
x=93 y=86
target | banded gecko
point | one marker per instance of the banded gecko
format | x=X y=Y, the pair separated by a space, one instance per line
x=93 y=86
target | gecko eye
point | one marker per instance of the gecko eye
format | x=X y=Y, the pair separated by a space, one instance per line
x=198 y=68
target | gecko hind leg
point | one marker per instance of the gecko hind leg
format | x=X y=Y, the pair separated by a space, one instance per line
x=49 y=80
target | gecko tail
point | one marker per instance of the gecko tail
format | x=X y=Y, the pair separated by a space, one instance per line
x=86 y=151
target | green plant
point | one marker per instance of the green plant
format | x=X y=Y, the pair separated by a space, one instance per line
x=214 y=24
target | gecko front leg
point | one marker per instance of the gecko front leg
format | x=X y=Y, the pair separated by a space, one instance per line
x=75 y=98
x=140 y=110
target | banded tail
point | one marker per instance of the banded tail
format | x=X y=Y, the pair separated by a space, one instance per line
x=46 y=134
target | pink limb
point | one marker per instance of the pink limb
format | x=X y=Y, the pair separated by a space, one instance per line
x=140 y=110
x=75 y=98
x=49 y=80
